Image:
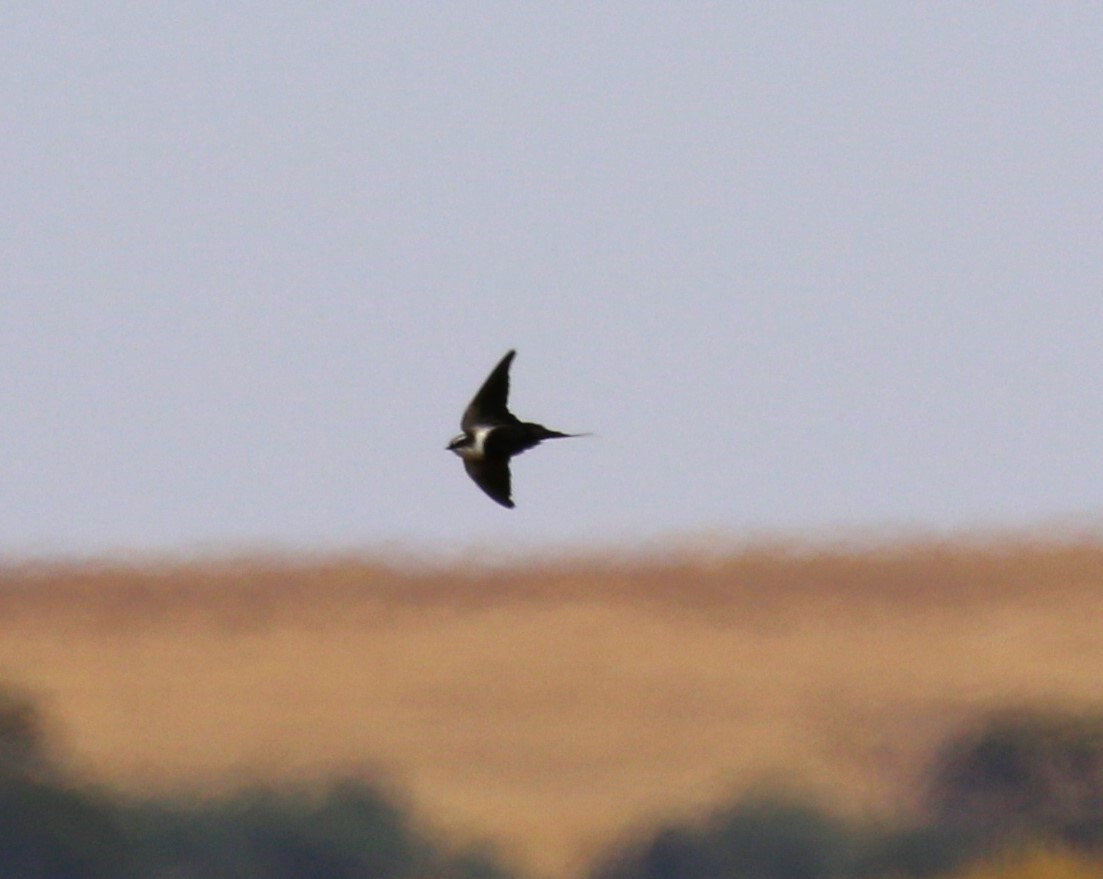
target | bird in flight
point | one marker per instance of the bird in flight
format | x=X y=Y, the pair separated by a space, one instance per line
x=492 y=435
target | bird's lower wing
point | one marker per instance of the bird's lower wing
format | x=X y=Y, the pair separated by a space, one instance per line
x=492 y=476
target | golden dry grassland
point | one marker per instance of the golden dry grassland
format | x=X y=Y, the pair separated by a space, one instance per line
x=554 y=706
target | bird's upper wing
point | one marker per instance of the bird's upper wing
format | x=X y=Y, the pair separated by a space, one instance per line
x=489 y=405
x=492 y=476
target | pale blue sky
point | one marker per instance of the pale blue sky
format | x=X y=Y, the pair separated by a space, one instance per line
x=798 y=266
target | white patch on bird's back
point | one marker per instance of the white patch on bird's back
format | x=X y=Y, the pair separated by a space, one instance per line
x=477 y=450
x=481 y=434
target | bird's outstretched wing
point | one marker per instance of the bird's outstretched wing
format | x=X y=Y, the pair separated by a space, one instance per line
x=492 y=476
x=489 y=405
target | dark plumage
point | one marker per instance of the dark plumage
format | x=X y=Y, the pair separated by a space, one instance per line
x=492 y=435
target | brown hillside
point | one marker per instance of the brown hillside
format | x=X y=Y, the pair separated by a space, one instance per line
x=550 y=707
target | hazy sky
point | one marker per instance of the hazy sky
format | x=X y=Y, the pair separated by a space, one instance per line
x=798 y=266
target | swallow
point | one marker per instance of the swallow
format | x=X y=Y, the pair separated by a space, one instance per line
x=492 y=435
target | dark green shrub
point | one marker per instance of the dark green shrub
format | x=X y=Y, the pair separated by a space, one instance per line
x=22 y=740
x=347 y=831
x=1025 y=774
x=757 y=838
x=915 y=852
x=779 y=838
x=49 y=832
x=50 y=829
x=775 y=839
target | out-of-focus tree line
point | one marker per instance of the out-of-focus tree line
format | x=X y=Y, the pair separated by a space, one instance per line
x=54 y=828
x=1021 y=794
x=1022 y=782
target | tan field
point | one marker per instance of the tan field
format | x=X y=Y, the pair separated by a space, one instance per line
x=554 y=707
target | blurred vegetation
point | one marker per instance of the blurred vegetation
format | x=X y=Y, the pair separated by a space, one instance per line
x=1025 y=773
x=51 y=828
x=1018 y=796
x=1016 y=780
x=778 y=837
x=48 y=828
x=348 y=830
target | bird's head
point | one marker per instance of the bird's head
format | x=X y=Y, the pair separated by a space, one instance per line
x=459 y=443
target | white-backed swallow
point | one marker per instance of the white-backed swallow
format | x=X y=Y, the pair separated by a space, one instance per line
x=492 y=435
